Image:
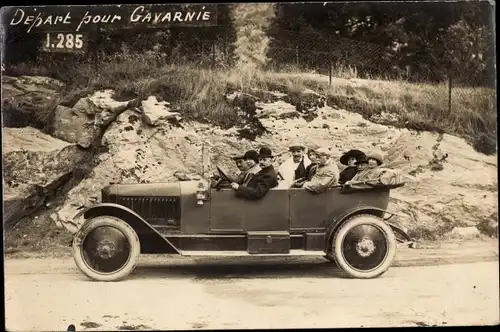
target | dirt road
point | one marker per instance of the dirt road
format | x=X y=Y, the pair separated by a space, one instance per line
x=185 y=293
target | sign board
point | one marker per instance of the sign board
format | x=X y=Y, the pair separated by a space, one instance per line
x=64 y=42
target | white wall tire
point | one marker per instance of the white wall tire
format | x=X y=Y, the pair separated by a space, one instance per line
x=364 y=246
x=106 y=248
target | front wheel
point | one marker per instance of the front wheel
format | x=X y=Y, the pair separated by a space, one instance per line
x=106 y=248
x=364 y=246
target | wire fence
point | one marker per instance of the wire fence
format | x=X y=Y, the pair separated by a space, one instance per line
x=327 y=55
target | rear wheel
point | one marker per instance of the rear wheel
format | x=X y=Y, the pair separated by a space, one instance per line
x=364 y=246
x=106 y=248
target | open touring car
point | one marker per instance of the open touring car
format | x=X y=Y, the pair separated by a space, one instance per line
x=343 y=224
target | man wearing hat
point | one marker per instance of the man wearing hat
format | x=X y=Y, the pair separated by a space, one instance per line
x=327 y=173
x=260 y=183
x=294 y=168
x=349 y=159
x=245 y=165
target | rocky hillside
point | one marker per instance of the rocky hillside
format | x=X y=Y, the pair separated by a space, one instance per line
x=97 y=140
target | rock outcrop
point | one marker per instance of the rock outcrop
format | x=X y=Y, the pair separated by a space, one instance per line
x=83 y=123
x=36 y=166
x=449 y=184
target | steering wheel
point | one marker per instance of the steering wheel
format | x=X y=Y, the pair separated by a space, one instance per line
x=223 y=176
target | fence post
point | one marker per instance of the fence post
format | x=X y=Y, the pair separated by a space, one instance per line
x=297 y=56
x=449 y=92
x=330 y=72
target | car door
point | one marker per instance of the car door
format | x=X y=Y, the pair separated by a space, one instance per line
x=230 y=213
x=307 y=210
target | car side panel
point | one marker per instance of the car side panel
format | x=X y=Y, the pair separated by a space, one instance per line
x=195 y=218
x=235 y=214
x=308 y=211
x=340 y=201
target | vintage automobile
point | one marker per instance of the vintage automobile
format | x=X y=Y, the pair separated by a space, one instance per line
x=344 y=224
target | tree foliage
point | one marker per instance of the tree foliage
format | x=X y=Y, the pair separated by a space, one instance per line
x=423 y=41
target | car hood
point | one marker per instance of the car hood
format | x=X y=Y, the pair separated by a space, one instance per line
x=144 y=189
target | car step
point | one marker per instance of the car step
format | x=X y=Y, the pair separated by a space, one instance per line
x=246 y=253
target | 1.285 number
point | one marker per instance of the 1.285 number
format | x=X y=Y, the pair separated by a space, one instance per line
x=68 y=41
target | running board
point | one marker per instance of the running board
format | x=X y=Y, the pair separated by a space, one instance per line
x=246 y=253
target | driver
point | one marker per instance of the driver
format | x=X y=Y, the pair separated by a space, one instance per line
x=242 y=167
x=260 y=183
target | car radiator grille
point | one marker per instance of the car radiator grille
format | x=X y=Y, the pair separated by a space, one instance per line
x=164 y=211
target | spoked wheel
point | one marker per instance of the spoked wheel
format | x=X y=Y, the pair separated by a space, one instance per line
x=364 y=246
x=106 y=248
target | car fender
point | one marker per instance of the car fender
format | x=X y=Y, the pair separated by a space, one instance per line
x=150 y=238
x=401 y=234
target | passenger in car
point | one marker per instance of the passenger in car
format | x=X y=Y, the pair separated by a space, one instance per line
x=327 y=173
x=310 y=170
x=364 y=171
x=349 y=159
x=294 y=168
x=251 y=159
x=374 y=160
x=259 y=184
x=370 y=171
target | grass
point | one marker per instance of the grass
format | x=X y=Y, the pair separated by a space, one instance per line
x=36 y=235
x=199 y=93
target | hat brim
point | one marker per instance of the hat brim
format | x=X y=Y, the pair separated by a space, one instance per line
x=379 y=161
x=351 y=153
x=296 y=147
x=266 y=156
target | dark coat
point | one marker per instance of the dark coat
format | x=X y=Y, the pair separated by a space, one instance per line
x=311 y=170
x=259 y=184
x=300 y=171
x=347 y=174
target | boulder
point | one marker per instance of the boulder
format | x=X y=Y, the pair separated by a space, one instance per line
x=465 y=231
x=154 y=111
x=306 y=101
x=277 y=110
x=489 y=226
x=83 y=123
x=36 y=166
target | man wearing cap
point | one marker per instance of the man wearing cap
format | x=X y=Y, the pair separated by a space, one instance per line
x=310 y=170
x=260 y=183
x=294 y=167
x=327 y=173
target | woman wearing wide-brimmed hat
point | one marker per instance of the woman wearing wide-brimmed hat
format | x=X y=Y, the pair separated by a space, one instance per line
x=349 y=159
x=374 y=160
